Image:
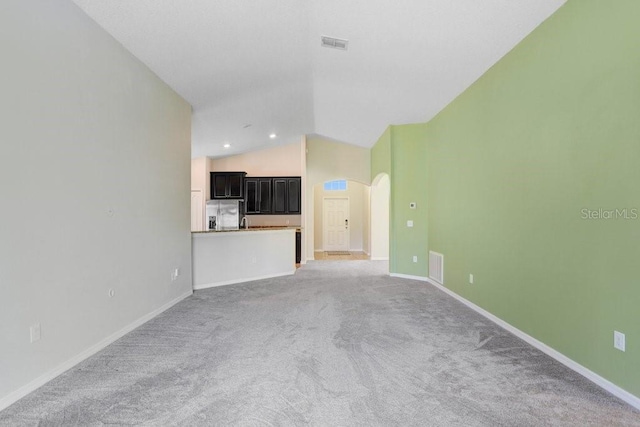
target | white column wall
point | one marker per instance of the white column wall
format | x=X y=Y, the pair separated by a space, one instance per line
x=380 y=192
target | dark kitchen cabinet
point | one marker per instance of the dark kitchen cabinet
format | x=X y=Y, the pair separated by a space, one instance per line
x=279 y=196
x=264 y=193
x=227 y=185
x=273 y=195
x=286 y=196
x=257 y=195
x=251 y=196
x=294 y=204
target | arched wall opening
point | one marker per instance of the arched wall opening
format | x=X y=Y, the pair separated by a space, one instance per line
x=328 y=160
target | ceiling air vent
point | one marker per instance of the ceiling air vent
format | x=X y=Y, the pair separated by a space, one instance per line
x=334 y=43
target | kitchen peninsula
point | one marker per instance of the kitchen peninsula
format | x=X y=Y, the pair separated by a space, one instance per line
x=235 y=256
x=268 y=187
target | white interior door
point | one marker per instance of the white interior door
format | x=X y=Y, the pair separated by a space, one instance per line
x=335 y=224
x=197 y=209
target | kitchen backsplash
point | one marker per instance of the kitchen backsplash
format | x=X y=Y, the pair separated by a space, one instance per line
x=272 y=220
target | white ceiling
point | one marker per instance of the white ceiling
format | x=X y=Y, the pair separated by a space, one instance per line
x=241 y=62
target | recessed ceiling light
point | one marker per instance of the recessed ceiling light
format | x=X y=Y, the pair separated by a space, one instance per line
x=272 y=136
x=227 y=145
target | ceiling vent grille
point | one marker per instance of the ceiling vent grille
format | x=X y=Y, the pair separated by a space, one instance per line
x=334 y=43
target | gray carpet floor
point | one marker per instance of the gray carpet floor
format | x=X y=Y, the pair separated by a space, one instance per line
x=337 y=344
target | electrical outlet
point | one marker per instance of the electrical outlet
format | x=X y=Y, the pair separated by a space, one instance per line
x=254 y=260
x=410 y=223
x=415 y=258
x=34 y=332
x=471 y=278
x=619 y=340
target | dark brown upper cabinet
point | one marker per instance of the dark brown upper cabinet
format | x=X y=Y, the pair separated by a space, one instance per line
x=257 y=195
x=273 y=195
x=286 y=196
x=227 y=185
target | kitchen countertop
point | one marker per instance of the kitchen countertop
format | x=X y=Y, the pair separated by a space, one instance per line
x=259 y=228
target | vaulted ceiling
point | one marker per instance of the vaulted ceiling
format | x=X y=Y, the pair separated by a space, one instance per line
x=251 y=68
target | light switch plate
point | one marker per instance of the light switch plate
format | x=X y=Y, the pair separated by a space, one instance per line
x=34 y=332
x=410 y=223
x=619 y=340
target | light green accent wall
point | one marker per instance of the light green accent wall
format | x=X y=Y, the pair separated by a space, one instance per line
x=401 y=153
x=550 y=130
x=408 y=184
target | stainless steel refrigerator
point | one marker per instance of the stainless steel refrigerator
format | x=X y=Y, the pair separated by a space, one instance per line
x=223 y=214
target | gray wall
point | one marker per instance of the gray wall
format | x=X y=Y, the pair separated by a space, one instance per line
x=94 y=180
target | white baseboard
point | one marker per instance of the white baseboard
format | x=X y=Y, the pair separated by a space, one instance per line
x=350 y=250
x=571 y=364
x=381 y=258
x=248 y=279
x=407 y=276
x=70 y=363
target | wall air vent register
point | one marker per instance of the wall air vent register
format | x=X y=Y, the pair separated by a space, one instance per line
x=334 y=43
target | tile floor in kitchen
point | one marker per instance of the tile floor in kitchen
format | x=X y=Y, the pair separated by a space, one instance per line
x=322 y=256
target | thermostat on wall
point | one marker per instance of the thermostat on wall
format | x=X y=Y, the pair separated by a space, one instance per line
x=412 y=205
